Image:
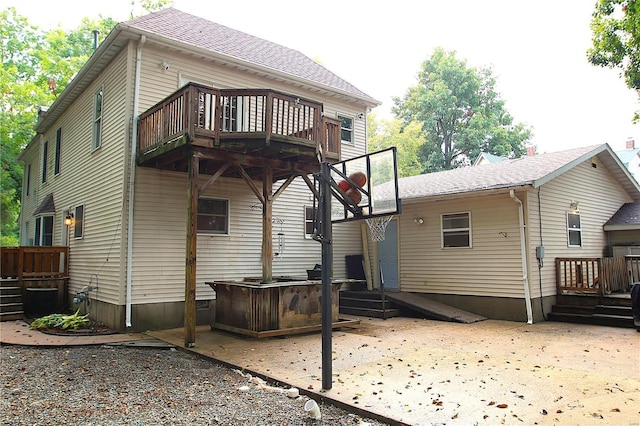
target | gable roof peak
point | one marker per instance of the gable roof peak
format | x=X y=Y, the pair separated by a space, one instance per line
x=197 y=32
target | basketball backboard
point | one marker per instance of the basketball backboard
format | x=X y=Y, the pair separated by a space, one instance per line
x=378 y=193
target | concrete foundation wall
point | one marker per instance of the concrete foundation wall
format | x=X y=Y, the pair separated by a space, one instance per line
x=151 y=316
x=500 y=308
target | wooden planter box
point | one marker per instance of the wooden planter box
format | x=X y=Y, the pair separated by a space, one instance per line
x=279 y=308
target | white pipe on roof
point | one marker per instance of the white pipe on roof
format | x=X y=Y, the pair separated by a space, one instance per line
x=132 y=175
x=523 y=255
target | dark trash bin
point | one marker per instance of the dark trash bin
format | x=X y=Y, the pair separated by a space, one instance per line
x=40 y=301
x=355 y=270
x=315 y=273
x=635 y=304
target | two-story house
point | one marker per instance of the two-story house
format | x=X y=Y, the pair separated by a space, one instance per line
x=181 y=139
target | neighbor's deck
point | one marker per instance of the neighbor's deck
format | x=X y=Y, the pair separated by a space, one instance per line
x=252 y=127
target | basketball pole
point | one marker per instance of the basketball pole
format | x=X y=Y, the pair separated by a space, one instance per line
x=327 y=273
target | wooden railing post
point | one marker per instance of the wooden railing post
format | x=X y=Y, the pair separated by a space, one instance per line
x=269 y=118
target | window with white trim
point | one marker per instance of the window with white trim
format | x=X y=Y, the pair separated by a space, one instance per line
x=346 y=128
x=44 y=231
x=213 y=216
x=96 y=139
x=78 y=222
x=456 y=230
x=574 y=230
x=309 y=222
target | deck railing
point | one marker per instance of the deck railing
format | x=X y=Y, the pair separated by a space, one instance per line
x=205 y=113
x=597 y=275
x=36 y=267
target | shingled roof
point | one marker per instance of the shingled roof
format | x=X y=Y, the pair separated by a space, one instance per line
x=529 y=170
x=198 y=32
x=626 y=218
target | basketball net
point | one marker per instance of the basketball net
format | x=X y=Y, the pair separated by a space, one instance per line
x=377 y=226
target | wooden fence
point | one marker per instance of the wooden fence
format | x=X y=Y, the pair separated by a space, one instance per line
x=597 y=275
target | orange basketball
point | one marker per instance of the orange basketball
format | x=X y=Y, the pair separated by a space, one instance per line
x=358 y=177
x=344 y=185
x=354 y=196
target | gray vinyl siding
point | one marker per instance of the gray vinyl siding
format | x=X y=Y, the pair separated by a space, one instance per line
x=491 y=267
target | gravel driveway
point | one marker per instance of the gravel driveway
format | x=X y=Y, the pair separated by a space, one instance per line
x=116 y=385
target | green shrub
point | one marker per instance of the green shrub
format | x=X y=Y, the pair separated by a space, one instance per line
x=62 y=321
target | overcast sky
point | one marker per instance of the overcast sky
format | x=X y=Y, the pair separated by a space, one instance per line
x=535 y=48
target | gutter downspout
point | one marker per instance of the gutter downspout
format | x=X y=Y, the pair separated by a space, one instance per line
x=523 y=254
x=132 y=177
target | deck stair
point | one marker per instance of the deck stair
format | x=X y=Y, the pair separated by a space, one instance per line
x=366 y=304
x=613 y=311
x=11 y=307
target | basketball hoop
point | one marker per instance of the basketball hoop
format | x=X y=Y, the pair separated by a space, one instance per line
x=377 y=226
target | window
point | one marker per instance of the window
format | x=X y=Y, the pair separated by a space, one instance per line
x=456 y=230
x=574 y=230
x=44 y=231
x=213 y=216
x=232 y=113
x=28 y=241
x=45 y=155
x=78 y=222
x=309 y=215
x=28 y=180
x=96 y=140
x=346 y=129
x=56 y=164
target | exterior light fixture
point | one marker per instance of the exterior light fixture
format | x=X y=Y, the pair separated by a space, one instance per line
x=68 y=219
x=574 y=206
x=418 y=221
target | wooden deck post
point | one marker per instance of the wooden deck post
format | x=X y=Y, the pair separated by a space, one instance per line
x=267 y=225
x=190 y=267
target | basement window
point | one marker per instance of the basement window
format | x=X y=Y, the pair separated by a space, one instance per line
x=213 y=216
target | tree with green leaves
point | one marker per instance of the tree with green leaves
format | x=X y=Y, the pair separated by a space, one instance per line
x=383 y=133
x=460 y=114
x=615 y=26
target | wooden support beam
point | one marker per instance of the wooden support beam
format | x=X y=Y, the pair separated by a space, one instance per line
x=310 y=185
x=267 y=225
x=214 y=178
x=190 y=267
x=251 y=184
x=284 y=186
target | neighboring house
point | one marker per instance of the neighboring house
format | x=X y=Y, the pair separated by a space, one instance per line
x=471 y=237
x=630 y=157
x=486 y=158
x=129 y=191
x=623 y=230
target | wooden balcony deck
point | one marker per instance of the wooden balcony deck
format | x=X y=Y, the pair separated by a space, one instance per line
x=251 y=127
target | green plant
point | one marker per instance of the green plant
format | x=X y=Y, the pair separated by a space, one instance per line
x=62 y=321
